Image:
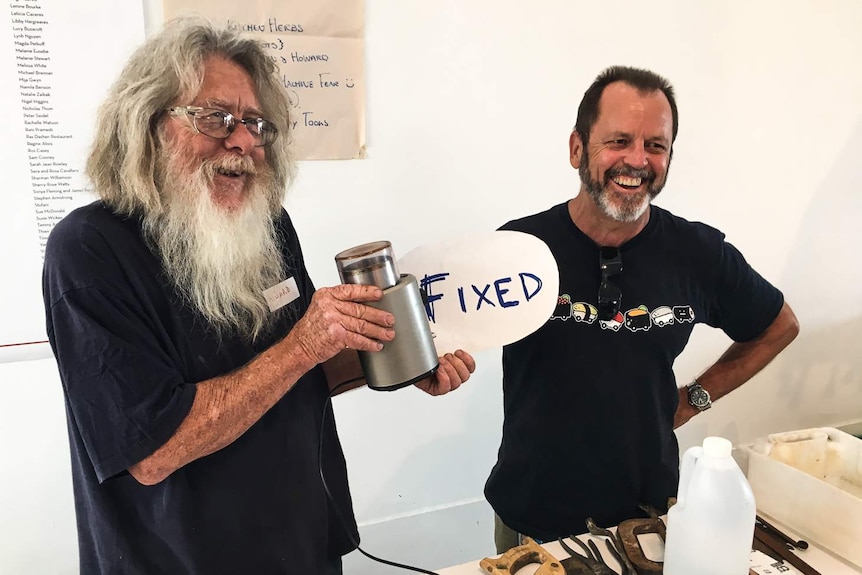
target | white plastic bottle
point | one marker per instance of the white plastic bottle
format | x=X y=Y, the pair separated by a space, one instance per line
x=711 y=527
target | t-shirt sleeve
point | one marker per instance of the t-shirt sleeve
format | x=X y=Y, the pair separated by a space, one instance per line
x=745 y=303
x=125 y=395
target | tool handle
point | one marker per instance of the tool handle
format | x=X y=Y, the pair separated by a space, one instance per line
x=800 y=544
x=777 y=547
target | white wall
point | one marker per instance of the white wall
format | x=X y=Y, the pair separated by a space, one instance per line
x=469 y=110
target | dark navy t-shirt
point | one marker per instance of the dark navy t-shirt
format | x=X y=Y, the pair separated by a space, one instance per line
x=130 y=352
x=589 y=404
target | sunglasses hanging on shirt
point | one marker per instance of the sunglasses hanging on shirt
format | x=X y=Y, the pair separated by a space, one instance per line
x=610 y=295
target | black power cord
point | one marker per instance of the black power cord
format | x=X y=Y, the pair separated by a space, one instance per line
x=341 y=518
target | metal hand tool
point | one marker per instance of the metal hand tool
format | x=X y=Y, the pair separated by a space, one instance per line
x=576 y=565
x=766 y=541
x=801 y=544
x=618 y=551
x=593 y=561
x=628 y=532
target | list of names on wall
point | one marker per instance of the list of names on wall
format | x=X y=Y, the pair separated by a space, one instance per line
x=54 y=173
x=57 y=59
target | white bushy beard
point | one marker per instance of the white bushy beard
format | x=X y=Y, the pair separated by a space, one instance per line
x=220 y=260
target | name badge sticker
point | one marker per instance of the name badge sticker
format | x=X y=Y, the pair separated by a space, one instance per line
x=281 y=294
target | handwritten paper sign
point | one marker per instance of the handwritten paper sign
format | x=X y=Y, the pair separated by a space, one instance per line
x=485 y=290
x=319 y=49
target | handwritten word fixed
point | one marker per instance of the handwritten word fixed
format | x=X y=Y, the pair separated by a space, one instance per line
x=481 y=295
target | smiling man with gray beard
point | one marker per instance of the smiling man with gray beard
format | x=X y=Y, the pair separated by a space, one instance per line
x=596 y=382
x=195 y=397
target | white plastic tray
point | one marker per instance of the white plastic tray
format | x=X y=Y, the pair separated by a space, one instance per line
x=811 y=481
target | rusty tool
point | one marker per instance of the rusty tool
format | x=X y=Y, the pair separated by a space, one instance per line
x=628 y=532
x=576 y=565
x=614 y=545
x=800 y=544
x=592 y=564
x=618 y=555
x=767 y=542
x=528 y=553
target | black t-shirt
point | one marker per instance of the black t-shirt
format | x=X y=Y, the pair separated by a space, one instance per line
x=130 y=352
x=589 y=405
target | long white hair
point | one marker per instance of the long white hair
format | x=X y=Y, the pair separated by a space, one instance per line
x=219 y=261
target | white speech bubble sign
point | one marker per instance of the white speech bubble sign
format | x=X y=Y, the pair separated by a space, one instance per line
x=484 y=289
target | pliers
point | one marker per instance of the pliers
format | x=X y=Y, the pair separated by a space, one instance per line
x=593 y=563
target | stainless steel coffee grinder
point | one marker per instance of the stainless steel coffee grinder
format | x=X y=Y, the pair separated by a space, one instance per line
x=411 y=356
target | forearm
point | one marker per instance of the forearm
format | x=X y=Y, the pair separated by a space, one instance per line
x=225 y=407
x=741 y=361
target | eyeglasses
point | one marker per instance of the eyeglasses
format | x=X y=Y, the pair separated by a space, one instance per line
x=610 y=295
x=219 y=124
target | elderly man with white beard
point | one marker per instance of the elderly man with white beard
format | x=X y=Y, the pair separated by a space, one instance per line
x=196 y=414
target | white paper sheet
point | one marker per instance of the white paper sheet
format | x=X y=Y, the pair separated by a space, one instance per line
x=57 y=59
x=486 y=289
x=319 y=48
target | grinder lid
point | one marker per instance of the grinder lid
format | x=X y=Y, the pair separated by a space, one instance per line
x=370 y=264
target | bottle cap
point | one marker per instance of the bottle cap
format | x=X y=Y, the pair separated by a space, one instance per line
x=717 y=447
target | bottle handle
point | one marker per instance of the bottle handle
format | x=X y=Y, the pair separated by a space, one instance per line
x=689 y=459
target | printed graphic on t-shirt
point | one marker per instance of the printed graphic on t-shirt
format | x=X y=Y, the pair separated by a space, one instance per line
x=639 y=318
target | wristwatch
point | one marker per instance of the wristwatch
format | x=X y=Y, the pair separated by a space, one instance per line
x=698 y=397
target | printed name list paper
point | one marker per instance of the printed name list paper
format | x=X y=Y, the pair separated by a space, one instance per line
x=57 y=60
x=485 y=289
x=319 y=49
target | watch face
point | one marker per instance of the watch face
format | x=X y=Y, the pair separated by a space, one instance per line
x=698 y=397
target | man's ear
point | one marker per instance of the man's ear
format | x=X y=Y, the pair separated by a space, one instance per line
x=576 y=149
